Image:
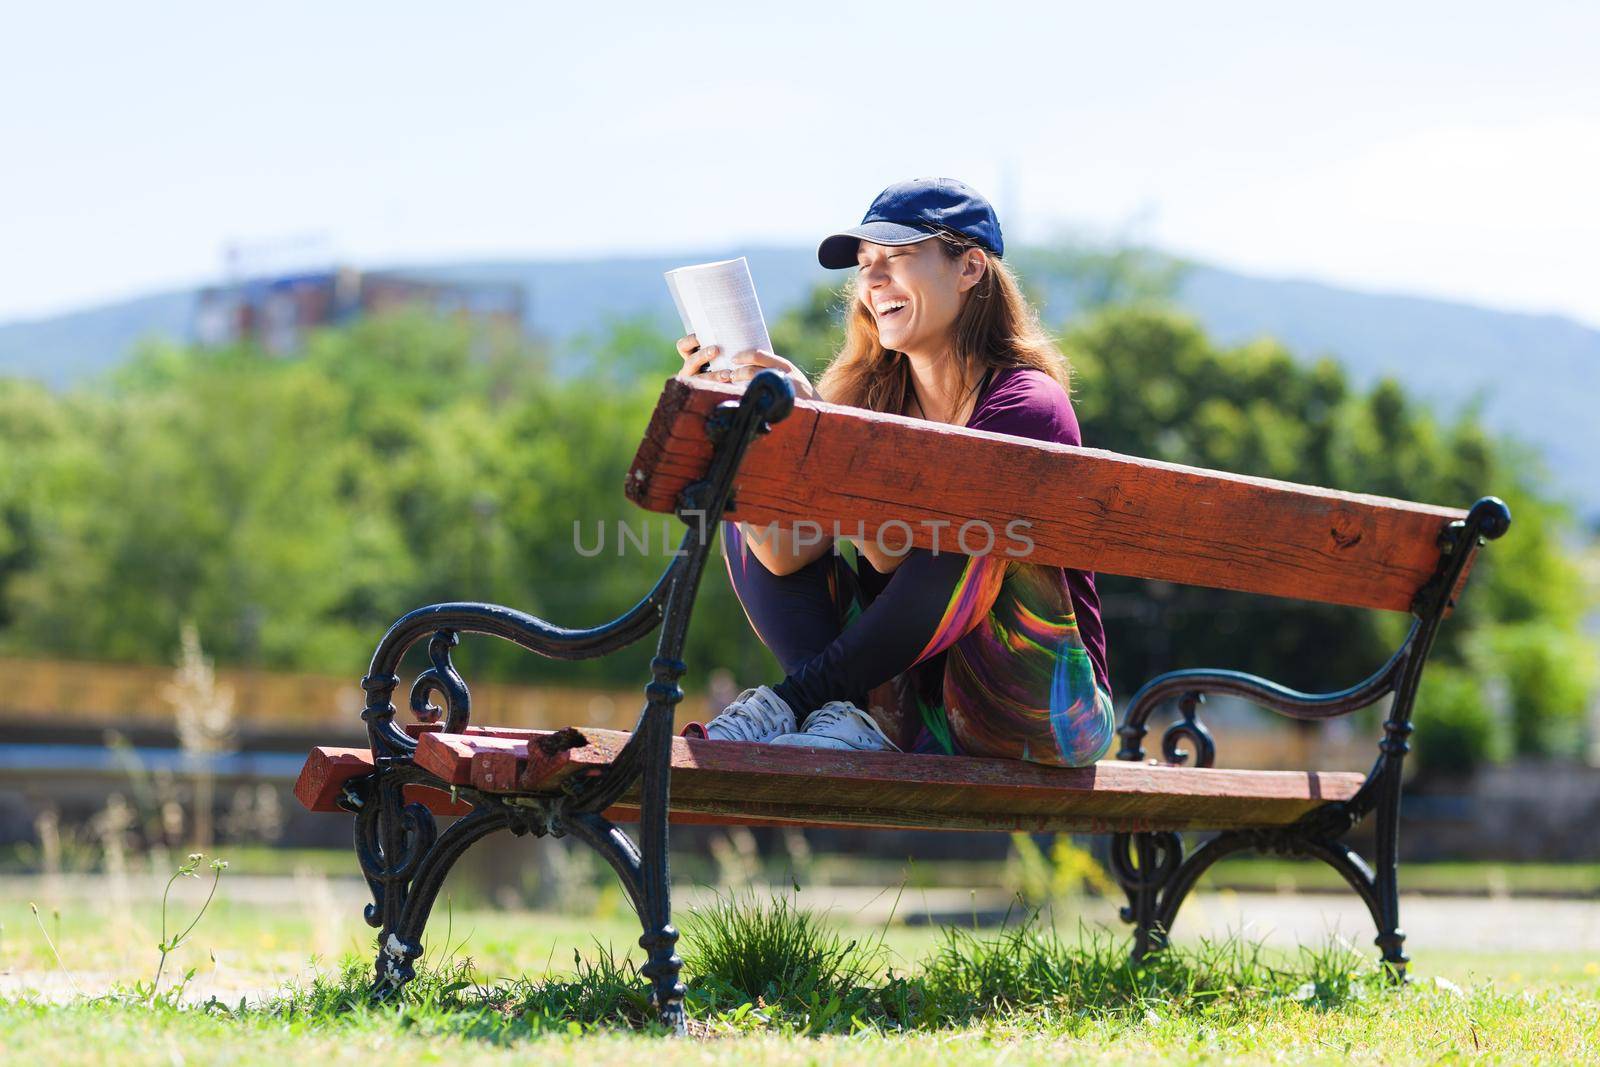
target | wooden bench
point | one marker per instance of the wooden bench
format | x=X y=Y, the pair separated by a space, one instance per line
x=710 y=453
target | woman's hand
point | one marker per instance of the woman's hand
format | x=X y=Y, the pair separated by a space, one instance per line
x=780 y=554
x=746 y=365
x=695 y=360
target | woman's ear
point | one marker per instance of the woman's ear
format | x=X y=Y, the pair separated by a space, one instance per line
x=973 y=264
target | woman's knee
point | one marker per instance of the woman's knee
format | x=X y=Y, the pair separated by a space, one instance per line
x=1076 y=736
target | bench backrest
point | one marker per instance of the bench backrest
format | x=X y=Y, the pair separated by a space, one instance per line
x=1085 y=508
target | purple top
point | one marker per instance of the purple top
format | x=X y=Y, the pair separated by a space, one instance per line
x=1024 y=402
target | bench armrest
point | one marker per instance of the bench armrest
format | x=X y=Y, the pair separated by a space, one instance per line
x=1190 y=688
x=731 y=427
x=442 y=625
x=1458 y=545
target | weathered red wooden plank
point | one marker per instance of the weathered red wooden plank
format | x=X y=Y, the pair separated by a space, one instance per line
x=324 y=774
x=326 y=770
x=450 y=757
x=417 y=729
x=731 y=782
x=1086 y=508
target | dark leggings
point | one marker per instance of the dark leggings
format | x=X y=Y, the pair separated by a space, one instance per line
x=983 y=651
x=839 y=630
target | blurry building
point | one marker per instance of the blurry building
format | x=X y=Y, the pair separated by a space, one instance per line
x=276 y=312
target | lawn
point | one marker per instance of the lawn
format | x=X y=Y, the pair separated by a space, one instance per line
x=915 y=995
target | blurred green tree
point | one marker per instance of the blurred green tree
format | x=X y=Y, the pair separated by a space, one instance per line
x=1148 y=382
x=293 y=508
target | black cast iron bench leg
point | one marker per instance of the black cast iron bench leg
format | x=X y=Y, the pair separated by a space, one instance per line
x=1152 y=867
x=403 y=855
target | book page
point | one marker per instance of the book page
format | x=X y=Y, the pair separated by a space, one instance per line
x=717 y=303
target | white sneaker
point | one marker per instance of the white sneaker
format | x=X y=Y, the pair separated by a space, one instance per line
x=839 y=724
x=758 y=715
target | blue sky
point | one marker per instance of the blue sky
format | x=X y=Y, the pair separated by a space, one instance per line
x=1443 y=149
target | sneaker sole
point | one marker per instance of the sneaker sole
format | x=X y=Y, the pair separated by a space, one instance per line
x=830 y=743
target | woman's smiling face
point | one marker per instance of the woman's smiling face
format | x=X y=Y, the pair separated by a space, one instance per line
x=913 y=292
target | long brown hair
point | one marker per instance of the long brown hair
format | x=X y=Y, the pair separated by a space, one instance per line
x=995 y=328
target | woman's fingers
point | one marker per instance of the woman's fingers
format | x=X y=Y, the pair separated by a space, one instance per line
x=694 y=357
x=745 y=365
x=761 y=358
x=753 y=360
x=695 y=360
x=697 y=365
x=749 y=363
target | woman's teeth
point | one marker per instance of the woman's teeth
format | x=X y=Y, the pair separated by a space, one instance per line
x=889 y=307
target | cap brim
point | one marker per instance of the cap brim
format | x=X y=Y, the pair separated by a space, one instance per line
x=838 y=251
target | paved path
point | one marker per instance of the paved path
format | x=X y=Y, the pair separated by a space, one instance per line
x=1464 y=923
x=1489 y=924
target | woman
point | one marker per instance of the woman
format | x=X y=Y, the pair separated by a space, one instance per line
x=978 y=655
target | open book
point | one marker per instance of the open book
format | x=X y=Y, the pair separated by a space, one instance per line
x=717 y=303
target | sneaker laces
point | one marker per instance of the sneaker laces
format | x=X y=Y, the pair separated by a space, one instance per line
x=758 y=715
x=841 y=712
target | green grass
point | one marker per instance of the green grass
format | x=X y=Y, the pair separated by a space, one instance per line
x=772 y=982
x=752 y=949
x=1018 y=1000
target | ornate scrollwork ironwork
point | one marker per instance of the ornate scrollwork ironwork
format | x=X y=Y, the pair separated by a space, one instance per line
x=404 y=858
x=1190 y=728
x=387 y=875
x=1144 y=861
x=1144 y=865
x=444 y=679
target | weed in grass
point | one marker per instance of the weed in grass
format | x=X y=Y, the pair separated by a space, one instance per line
x=73 y=982
x=169 y=945
x=1027 y=966
x=602 y=992
x=772 y=952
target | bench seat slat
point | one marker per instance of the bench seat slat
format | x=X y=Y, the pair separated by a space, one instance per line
x=1089 y=509
x=327 y=769
x=727 y=781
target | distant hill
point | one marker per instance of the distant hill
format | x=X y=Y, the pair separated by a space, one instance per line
x=1538 y=375
x=65 y=349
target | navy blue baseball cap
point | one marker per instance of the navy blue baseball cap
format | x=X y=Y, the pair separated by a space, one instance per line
x=912 y=211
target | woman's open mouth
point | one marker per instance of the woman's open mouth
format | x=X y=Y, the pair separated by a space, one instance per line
x=889 y=309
